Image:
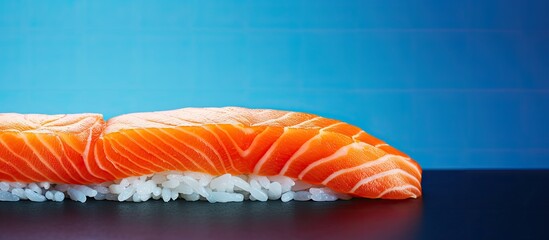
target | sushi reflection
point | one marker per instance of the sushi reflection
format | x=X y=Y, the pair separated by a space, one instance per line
x=354 y=219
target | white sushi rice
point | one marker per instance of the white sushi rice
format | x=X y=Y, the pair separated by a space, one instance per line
x=173 y=185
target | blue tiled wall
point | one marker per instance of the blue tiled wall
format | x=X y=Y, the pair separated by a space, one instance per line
x=456 y=84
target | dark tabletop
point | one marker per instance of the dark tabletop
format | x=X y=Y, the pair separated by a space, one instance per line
x=456 y=205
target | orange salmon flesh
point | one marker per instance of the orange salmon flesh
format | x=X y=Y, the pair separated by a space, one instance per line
x=84 y=149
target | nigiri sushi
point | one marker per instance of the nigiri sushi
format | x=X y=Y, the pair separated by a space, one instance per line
x=214 y=154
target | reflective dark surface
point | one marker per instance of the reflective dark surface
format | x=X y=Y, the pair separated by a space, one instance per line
x=456 y=205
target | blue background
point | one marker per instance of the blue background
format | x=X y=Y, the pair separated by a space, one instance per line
x=456 y=84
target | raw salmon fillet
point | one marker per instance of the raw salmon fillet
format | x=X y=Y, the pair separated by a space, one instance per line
x=83 y=149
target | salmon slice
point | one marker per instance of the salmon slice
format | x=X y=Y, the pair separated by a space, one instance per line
x=54 y=148
x=83 y=149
